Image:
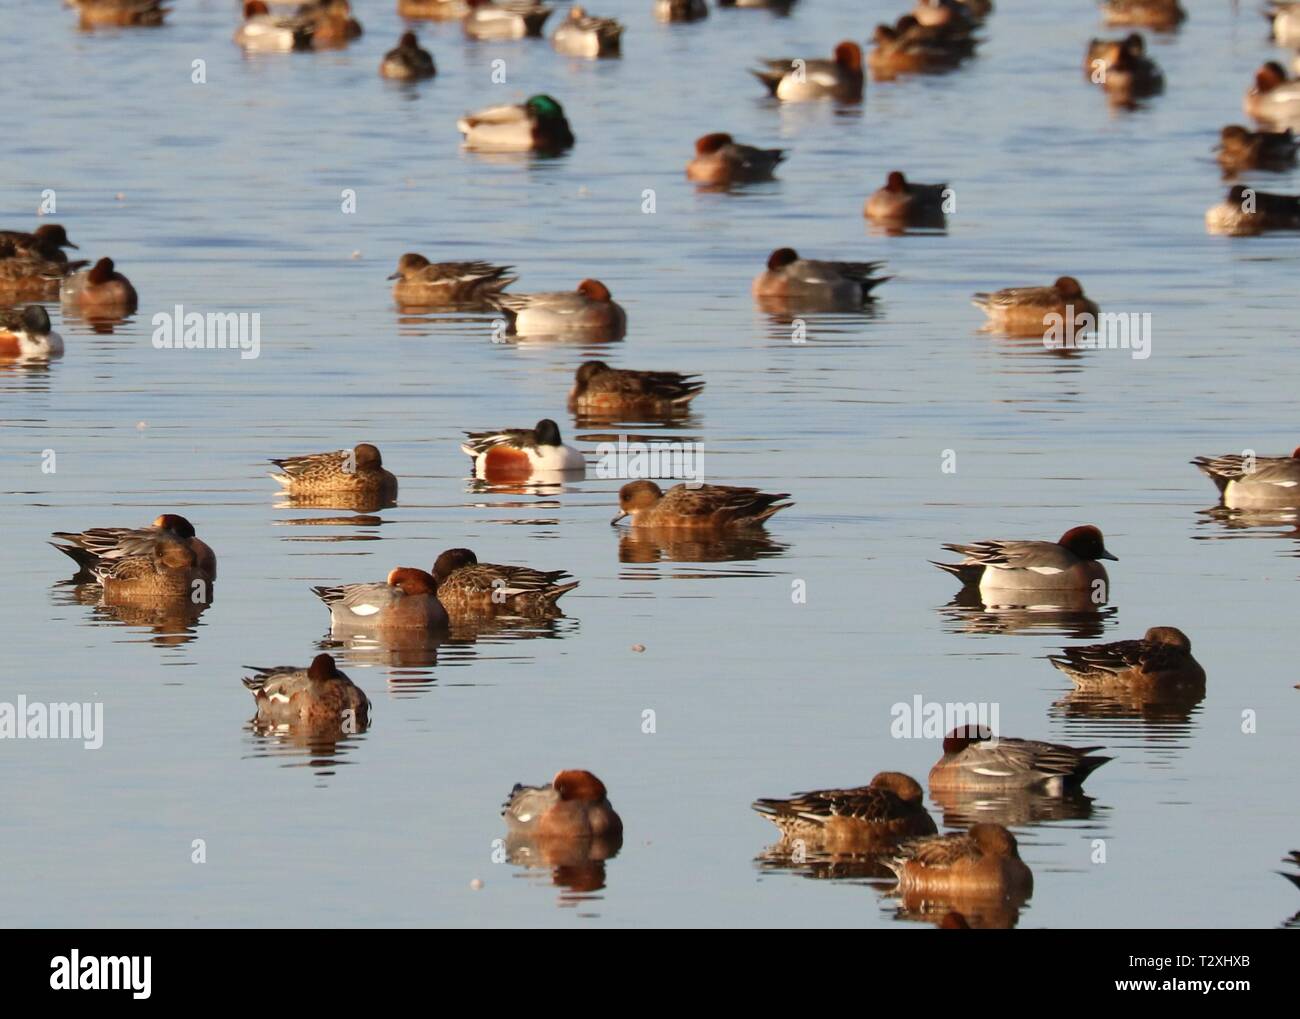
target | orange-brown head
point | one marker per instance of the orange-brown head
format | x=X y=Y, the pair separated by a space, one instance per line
x=711 y=143
x=582 y=786
x=594 y=290
x=1068 y=286
x=101 y=272
x=994 y=840
x=367 y=456
x=1269 y=77
x=323 y=667
x=965 y=735
x=849 y=56
x=175 y=523
x=781 y=257
x=1170 y=635
x=903 y=786
x=412 y=581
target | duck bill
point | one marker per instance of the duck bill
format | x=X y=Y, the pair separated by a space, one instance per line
x=394 y=276
x=75 y=247
x=1106 y=555
x=621 y=514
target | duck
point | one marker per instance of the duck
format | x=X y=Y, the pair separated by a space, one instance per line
x=28 y=335
x=1162 y=15
x=910 y=47
x=1240 y=149
x=721 y=161
x=942 y=14
x=581 y=35
x=536 y=125
x=798 y=80
x=574 y=806
x=791 y=277
x=99 y=290
x=698 y=507
x=97 y=545
x=31 y=276
x=407 y=61
x=1031 y=310
x=587 y=309
x=264 y=32
x=421 y=282
x=163 y=570
x=510 y=20
x=1160 y=660
x=318 y=695
x=1246 y=212
x=332 y=23
x=1273 y=98
x=983 y=860
x=866 y=818
x=356 y=471
x=680 y=10
x=901 y=202
x=1070 y=564
x=518 y=453
x=975 y=761
x=47 y=241
x=406 y=600
x=598 y=388
x=121 y=13
x=1122 y=68
x=467 y=586
x=1254 y=482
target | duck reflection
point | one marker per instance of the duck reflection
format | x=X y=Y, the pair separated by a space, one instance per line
x=409 y=648
x=790 y=857
x=311 y=710
x=1067 y=614
x=671 y=544
x=1010 y=807
x=959 y=911
x=1277 y=522
x=173 y=621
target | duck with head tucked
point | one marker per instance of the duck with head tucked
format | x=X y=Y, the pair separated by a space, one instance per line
x=536 y=125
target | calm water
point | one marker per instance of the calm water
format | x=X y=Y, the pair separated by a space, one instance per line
x=226 y=196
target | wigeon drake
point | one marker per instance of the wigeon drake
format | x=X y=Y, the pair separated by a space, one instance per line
x=518 y=453
x=1273 y=98
x=974 y=760
x=537 y=125
x=1033 y=566
x=27 y=334
x=99 y=290
x=466 y=585
x=702 y=508
x=164 y=570
x=1254 y=482
x=47 y=241
x=406 y=600
x=982 y=860
x=789 y=276
x=680 y=10
x=794 y=81
x=587 y=309
x=863 y=819
x=574 y=806
x=1036 y=310
x=581 y=35
x=120 y=13
x=598 y=388
x=434 y=10
x=512 y=19
x=1246 y=212
x=1162 y=15
x=264 y=32
x=721 y=161
x=904 y=203
x=1161 y=659
x=317 y=695
x=1240 y=149
x=407 y=61
x=88 y=549
x=421 y=282
x=356 y=471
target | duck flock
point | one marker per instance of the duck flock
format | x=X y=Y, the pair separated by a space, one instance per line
x=973 y=874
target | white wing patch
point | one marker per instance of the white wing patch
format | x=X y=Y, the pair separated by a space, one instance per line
x=363 y=610
x=1046 y=571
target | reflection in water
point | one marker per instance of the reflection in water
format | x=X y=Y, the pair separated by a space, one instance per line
x=320 y=747
x=787 y=857
x=986 y=912
x=1072 y=616
x=357 y=502
x=172 y=621
x=1011 y=807
x=678 y=545
x=577 y=866
x=399 y=648
x=1281 y=522
x=1292 y=859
